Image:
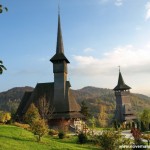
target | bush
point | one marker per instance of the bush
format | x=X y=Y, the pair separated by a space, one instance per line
x=4 y=117
x=82 y=138
x=111 y=140
x=61 y=135
x=24 y=126
x=52 y=132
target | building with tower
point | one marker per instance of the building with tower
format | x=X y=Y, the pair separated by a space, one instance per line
x=57 y=94
x=123 y=112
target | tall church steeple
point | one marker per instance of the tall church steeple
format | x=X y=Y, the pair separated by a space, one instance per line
x=60 y=46
x=59 y=56
x=60 y=71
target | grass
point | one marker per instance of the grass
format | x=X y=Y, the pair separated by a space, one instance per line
x=15 y=138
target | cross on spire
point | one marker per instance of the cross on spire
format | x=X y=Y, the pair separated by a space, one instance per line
x=119 y=68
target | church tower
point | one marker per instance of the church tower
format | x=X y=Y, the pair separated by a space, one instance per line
x=60 y=71
x=65 y=105
x=123 y=110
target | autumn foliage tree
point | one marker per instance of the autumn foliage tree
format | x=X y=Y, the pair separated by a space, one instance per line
x=103 y=116
x=39 y=128
x=32 y=114
x=5 y=117
x=38 y=125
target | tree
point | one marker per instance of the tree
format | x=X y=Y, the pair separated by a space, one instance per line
x=39 y=128
x=45 y=108
x=145 y=118
x=32 y=114
x=5 y=117
x=2 y=67
x=3 y=8
x=84 y=109
x=92 y=122
x=103 y=116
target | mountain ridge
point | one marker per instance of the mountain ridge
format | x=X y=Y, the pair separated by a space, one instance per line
x=93 y=96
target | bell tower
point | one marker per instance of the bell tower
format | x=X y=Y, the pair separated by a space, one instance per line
x=123 y=110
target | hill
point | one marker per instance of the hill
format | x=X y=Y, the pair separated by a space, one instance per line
x=93 y=96
x=96 y=97
x=10 y=99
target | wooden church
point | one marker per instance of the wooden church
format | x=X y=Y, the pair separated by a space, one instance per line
x=57 y=94
x=123 y=112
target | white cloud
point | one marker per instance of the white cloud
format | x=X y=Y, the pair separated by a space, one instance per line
x=147 y=7
x=101 y=72
x=88 y=49
x=103 y=1
x=127 y=57
x=118 y=2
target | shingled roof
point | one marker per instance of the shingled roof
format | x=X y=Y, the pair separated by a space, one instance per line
x=121 y=84
x=23 y=103
x=69 y=109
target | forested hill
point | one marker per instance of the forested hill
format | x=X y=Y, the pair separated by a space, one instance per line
x=97 y=97
x=94 y=97
x=10 y=99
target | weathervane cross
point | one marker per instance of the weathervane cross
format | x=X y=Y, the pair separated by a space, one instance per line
x=58 y=6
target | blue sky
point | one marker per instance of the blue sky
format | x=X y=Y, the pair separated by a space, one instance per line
x=98 y=36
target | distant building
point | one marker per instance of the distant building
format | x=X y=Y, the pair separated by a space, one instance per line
x=57 y=94
x=123 y=112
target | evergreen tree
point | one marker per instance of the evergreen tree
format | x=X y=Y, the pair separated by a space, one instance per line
x=145 y=118
x=84 y=109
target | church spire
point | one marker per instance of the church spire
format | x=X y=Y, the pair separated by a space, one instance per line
x=59 y=47
x=59 y=56
x=121 y=84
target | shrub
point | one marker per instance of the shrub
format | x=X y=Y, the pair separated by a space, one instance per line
x=82 y=138
x=52 y=132
x=111 y=140
x=61 y=135
x=5 y=117
x=24 y=126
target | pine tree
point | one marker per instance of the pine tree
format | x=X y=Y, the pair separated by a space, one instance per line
x=85 y=109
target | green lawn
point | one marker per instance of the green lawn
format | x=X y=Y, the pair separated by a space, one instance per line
x=15 y=138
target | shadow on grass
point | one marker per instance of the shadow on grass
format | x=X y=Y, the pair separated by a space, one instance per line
x=74 y=141
x=17 y=139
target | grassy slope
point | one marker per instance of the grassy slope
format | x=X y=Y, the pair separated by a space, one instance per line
x=15 y=138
